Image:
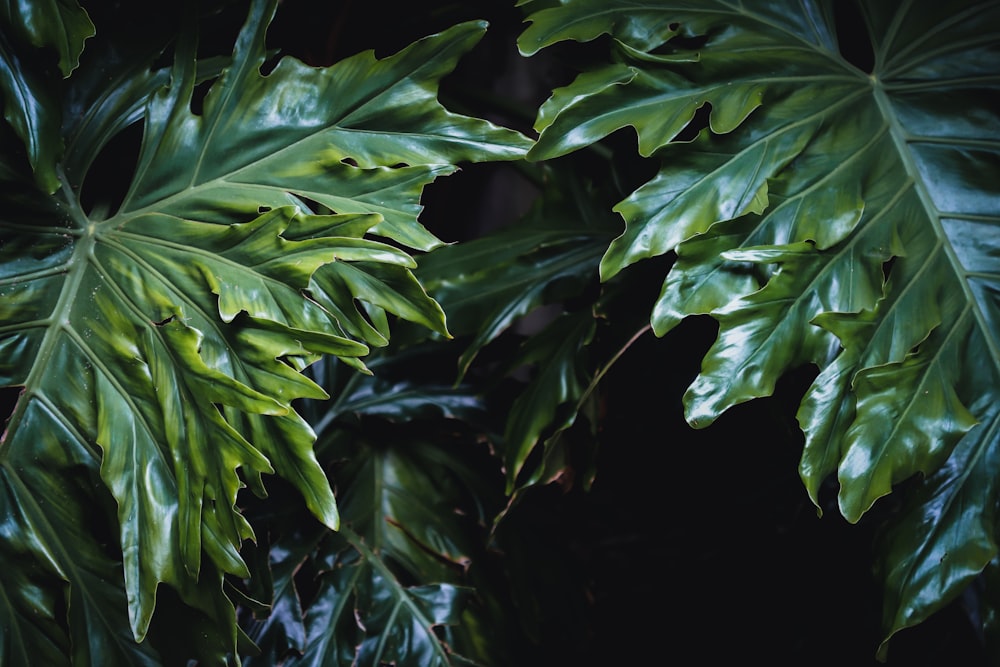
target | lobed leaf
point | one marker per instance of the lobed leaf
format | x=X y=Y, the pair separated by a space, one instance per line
x=824 y=216
x=164 y=340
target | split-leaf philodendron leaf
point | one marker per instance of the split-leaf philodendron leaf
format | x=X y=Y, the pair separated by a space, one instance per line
x=158 y=346
x=825 y=212
x=404 y=526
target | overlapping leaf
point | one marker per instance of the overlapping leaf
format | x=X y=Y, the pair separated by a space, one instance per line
x=807 y=184
x=489 y=285
x=161 y=344
x=407 y=507
x=30 y=103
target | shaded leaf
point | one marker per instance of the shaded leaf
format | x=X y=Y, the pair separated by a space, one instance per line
x=392 y=574
x=487 y=285
x=550 y=401
x=62 y=25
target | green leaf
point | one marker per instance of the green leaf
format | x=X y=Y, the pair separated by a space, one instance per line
x=406 y=520
x=30 y=102
x=488 y=285
x=397 y=621
x=824 y=216
x=50 y=542
x=300 y=131
x=160 y=345
x=550 y=401
x=938 y=546
x=280 y=628
x=31 y=110
x=62 y=25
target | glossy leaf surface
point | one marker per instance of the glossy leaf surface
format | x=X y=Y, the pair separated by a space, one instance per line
x=823 y=215
x=159 y=344
x=30 y=104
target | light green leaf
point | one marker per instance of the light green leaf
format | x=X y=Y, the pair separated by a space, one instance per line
x=299 y=131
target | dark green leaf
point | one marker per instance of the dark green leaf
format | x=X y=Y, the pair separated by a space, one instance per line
x=62 y=25
x=163 y=342
x=825 y=216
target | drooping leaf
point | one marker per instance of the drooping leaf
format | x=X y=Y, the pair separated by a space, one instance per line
x=492 y=285
x=279 y=629
x=938 y=544
x=550 y=401
x=160 y=344
x=824 y=215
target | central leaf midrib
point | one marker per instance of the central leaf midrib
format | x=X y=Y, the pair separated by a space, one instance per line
x=901 y=140
x=56 y=325
x=123 y=217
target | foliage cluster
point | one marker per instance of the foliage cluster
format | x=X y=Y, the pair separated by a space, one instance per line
x=321 y=330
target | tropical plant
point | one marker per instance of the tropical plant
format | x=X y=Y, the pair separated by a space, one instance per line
x=264 y=414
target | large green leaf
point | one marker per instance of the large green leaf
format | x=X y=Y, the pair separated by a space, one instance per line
x=160 y=344
x=824 y=215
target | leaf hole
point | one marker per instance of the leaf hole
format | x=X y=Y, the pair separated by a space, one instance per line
x=350 y=162
x=697 y=123
x=198 y=96
x=852 y=38
x=8 y=401
x=887 y=268
x=681 y=41
x=103 y=189
x=314 y=206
